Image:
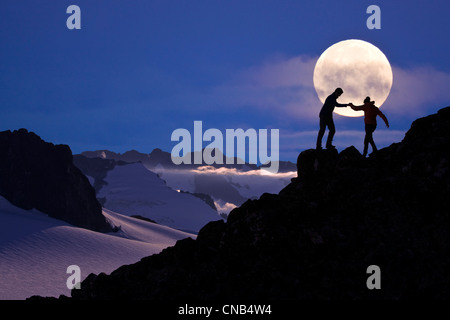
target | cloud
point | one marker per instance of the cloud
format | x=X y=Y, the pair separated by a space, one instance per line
x=208 y=170
x=223 y=206
x=284 y=87
x=282 y=73
x=418 y=90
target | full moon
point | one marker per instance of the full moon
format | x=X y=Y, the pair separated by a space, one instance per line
x=359 y=68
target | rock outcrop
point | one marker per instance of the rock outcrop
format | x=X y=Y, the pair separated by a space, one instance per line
x=317 y=237
x=40 y=175
x=96 y=168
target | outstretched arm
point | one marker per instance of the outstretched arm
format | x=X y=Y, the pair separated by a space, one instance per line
x=337 y=104
x=356 y=108
x=383 y=117
x=341 y=105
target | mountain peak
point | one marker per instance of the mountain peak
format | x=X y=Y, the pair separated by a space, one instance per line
x=157 y=151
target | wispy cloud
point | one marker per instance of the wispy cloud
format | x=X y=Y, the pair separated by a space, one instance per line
x=285 y=88
x=282 y=87
x=223 y=206
x=418 y=90
x=208 y=170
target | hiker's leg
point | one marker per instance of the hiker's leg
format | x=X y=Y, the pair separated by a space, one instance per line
x=321 y=133
x=371 y=131
x=366 y=145
x=331 y=132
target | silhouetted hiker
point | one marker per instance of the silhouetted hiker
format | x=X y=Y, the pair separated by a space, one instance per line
x=326 y=118
x=370 y=120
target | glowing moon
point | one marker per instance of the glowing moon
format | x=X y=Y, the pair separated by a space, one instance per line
x=359 y=68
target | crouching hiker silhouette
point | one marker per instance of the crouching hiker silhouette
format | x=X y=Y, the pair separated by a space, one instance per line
x=370 y=120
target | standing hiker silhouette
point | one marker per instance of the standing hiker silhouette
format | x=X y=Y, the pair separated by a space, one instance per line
x=326 y=118
x=370 y=120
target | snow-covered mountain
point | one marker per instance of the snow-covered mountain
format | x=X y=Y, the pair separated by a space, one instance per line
x=51 y=218
x=36 y=250
x=160 y=158
x=131 y=189
x=228 y=185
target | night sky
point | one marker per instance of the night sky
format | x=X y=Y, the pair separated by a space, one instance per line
x=137 y=70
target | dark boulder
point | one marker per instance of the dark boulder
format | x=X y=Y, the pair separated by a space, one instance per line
x=316 y=163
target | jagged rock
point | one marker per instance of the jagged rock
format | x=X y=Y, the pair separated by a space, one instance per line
x=317 y=237
x=40 y=175
x=204 y=197
x=349 y=157
x=97 y=168
x=143 y=218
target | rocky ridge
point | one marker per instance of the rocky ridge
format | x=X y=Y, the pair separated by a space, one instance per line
x=317 y=237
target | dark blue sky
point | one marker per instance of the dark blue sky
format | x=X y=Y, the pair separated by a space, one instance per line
x=137 y=70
